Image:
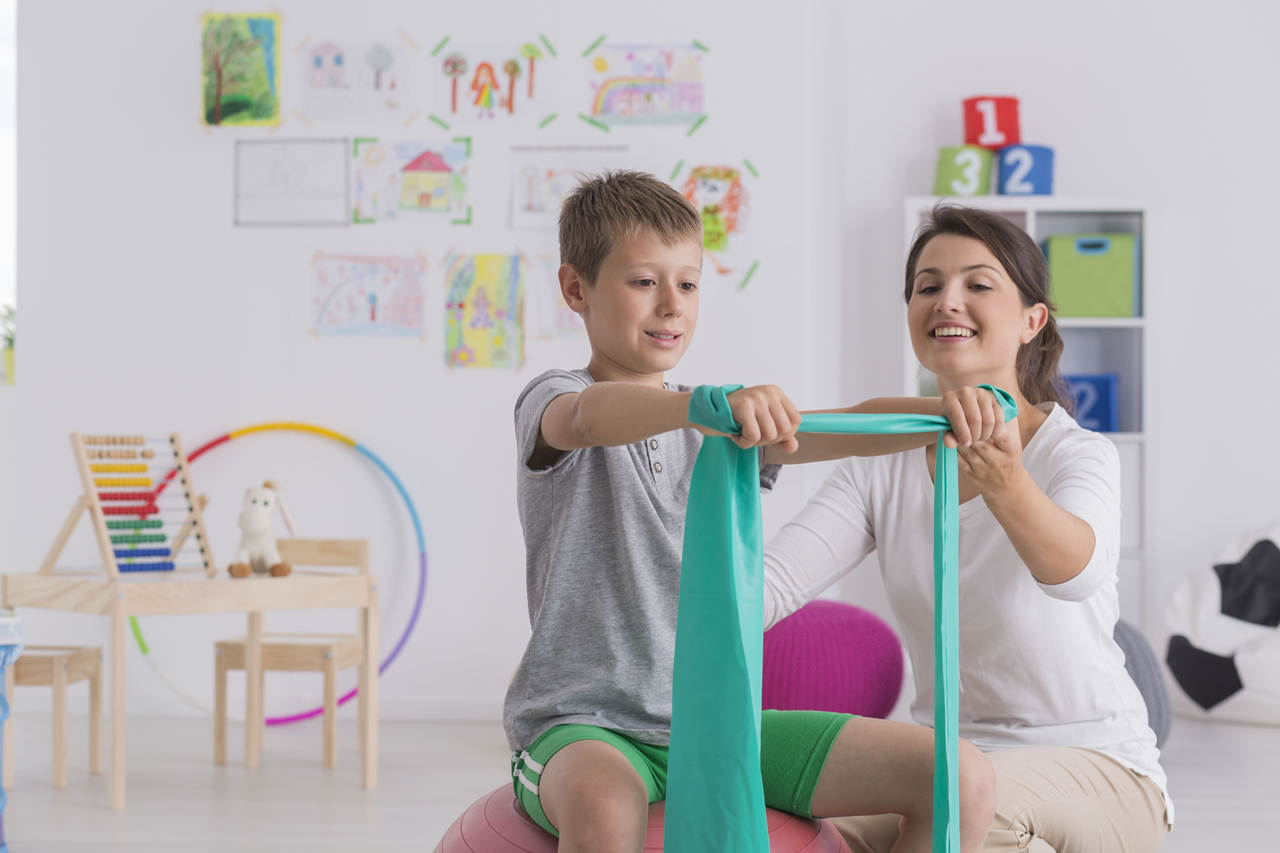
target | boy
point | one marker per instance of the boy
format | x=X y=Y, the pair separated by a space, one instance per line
x=605 y=459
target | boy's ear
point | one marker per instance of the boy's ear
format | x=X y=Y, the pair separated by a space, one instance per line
x=572 y=287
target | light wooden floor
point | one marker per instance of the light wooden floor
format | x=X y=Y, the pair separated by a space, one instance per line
x=1225 y=779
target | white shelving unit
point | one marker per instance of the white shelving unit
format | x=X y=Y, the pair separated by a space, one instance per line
x=1092 y=345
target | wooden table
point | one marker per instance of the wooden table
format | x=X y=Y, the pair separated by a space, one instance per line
x=179 y=592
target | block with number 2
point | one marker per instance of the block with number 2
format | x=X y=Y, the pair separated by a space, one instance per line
x=1025 y=170
x=991 y=122
x=963 y=170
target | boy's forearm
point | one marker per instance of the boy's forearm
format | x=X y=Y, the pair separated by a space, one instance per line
x=614 y=414
x=822 y=447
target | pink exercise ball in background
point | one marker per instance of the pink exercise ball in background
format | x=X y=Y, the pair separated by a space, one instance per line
x=495 y=824
x=829 y=656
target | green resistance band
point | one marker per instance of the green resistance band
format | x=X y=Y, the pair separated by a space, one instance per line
x=715 y=796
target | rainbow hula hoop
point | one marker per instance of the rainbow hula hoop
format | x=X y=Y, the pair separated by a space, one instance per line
x=408 y=505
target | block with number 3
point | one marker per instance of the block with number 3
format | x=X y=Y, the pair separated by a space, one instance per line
x=1025 y=170
x=963 y=170
x=991 y=122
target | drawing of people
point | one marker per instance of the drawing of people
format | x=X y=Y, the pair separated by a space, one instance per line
x=480 y=307
x=530 y=182
x=718 y=194
x=485 y=85
x=559 y=183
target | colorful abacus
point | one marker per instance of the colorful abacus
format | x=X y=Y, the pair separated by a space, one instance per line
x=120 y=454
x=152 y=527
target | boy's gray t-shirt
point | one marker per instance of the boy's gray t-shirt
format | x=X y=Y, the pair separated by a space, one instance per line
x=603 y=533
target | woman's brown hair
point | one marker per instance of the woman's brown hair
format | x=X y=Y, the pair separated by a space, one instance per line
x=1037 y=362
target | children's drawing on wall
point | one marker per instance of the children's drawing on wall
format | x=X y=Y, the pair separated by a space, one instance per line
x=494 y=82
x=355 y=79
x=484 y=310
x=646 y=84
x=291 y=182
x=549 y=315
x=722 y=196
x=410 y=179
x=541 y=177
x=369 y=296
x=241 y=61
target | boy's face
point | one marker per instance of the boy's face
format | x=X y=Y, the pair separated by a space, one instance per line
x=642 y=310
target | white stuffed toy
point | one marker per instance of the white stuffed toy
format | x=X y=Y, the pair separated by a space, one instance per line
x=257 y=552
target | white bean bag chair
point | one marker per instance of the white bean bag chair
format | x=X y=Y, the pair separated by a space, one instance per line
x=1223 y=643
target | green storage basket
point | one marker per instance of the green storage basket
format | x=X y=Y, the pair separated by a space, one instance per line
x=1095 y=275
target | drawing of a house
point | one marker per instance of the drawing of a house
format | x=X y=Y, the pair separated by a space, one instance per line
x=327 y=67
x=425 y=183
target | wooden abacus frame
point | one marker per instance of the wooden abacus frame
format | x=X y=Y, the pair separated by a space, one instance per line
x=89 y=500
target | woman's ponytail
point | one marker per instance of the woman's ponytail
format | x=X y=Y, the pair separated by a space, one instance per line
x=1038 y=376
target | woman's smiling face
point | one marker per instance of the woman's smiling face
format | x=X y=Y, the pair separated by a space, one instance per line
x=966 y=316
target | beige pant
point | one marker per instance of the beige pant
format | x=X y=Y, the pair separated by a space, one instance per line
x=1051 y=800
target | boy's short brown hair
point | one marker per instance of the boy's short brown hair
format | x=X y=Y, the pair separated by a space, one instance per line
x=605 y=209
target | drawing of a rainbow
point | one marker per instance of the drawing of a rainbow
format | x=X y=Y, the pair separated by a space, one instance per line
x=648 y=100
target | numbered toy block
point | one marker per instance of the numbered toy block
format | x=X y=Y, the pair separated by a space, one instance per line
x=1097 y=400
x=991 y=122
x=963 y=170
x=1025 y=170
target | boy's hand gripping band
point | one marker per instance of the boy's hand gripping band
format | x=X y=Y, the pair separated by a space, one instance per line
x=709 y=407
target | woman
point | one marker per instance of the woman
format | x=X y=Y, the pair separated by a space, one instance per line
x=1043 y=688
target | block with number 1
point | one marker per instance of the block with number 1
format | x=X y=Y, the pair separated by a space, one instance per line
x=1025 y=170
x=991 y=122
x=963 y=170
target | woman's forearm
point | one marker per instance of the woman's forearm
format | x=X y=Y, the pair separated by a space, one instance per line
x=1054 y=544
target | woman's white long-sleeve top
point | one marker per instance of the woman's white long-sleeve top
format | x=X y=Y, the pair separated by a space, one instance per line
x=1038 y=664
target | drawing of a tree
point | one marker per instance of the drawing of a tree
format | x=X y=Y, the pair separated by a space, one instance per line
x=380 y=59
x=511 y=68
x=455 y=65
x=530 y=52
x=231 y=57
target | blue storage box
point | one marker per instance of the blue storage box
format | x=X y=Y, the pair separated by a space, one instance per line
x=1097 y=400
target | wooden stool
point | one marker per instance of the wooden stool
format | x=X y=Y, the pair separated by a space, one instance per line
x=58 y=666
x=325 y=653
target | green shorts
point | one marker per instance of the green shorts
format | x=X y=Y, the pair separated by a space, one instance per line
x=794 y=746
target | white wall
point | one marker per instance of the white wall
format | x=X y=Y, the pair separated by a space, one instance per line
x=145 y=310
x=8 y=149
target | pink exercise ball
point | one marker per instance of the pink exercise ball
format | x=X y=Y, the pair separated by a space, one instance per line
x=495 y=824
x=829 y=656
